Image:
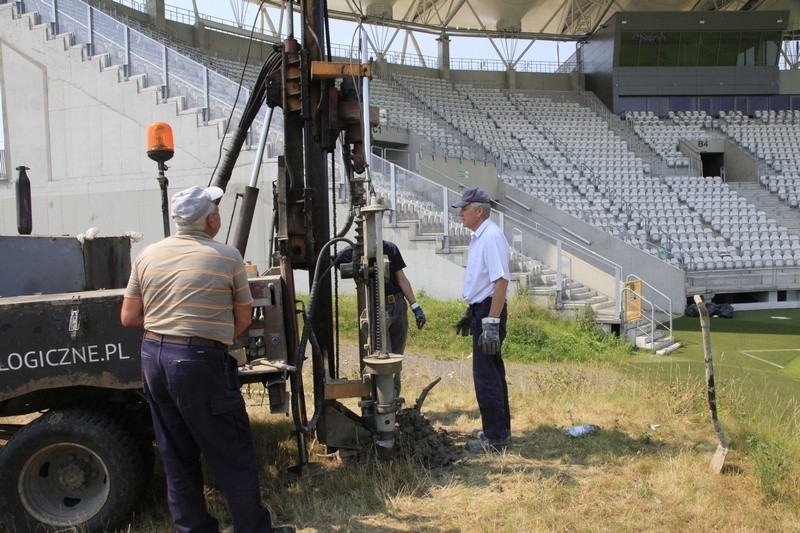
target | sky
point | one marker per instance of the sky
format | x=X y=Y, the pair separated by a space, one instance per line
x=460 y=47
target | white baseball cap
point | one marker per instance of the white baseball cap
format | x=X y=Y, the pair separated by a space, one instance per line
x=192 y=203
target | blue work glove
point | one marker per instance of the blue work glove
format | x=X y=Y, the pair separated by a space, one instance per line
x=419 y=314
x=464 y=326
x=490 y=338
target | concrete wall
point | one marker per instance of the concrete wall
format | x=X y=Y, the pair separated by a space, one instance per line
x=789 y=82
x=531 y=81
x=739 y=166
x=81 y=130
x=433 y=273
x=457 y=173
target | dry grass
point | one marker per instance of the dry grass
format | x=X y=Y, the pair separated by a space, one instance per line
x=646 y=469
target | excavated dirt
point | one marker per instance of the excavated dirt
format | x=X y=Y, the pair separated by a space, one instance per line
x=422 y=444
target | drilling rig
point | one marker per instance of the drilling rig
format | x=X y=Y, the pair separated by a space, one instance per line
x=325 y=104
x=86 y=461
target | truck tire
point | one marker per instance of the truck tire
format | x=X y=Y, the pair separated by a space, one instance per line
x=71 y=468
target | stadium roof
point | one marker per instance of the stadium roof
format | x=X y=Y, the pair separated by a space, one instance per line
x=566 y=20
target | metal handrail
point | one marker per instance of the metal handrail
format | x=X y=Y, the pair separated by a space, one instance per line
x=649 y=328
x=513 y=221
x=222 y=91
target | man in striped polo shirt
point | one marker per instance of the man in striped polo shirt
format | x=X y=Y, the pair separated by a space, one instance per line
x=191 y=295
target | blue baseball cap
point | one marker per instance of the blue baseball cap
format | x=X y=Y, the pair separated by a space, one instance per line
x=473 y=194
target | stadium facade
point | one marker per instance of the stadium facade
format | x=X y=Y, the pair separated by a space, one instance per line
x=80 y=86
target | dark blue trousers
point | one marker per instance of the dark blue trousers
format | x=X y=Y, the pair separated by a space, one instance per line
x=397 y=334
x=489 y=376
x=197 y=407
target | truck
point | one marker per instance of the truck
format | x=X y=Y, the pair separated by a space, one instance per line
x=79 y=450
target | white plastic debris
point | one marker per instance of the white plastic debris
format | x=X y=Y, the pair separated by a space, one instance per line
x=88 y=235
x=134 y=236
x=581 y=430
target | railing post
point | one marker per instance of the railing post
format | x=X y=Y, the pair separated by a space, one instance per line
x=55 y=17
x=249 y=137
x=90 y=27
x=446 y=221
x=206 y=98
x=165 y=72
x=127 y=51
x=393 y=189
x=559 y=277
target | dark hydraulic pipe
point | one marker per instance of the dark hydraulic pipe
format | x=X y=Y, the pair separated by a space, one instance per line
x=232 y=150
x=246 y=212
x=298 y=401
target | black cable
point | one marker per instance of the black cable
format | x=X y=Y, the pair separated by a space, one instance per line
x=238 y=91
x=308 y=334
x=222 y=173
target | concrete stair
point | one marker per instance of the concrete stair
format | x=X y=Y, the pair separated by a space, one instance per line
x=659 y=342
x=770 y=203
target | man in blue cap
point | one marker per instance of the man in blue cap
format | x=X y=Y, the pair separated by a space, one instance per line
x=485 y=286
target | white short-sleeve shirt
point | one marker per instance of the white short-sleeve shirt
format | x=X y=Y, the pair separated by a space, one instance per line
x=487 y=261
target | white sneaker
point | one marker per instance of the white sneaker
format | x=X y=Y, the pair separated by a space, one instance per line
x=488 y=446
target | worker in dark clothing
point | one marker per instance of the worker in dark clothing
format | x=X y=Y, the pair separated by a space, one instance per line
x=398 y=291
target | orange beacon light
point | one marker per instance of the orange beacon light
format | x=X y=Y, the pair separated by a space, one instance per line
x=160 y=146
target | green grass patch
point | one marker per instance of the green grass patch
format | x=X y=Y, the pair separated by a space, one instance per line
x=772 y=357
x=792 y=369
x=772 y=464
x=534 y=333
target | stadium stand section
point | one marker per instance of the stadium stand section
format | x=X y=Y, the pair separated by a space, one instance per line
x=559 y=149
x=628 y=177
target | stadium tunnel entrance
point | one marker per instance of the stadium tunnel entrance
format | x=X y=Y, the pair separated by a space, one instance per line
x=713 y=163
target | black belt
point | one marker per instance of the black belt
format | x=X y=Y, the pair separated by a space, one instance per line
x=185 y=341
x=392 y=298
x=482 y=302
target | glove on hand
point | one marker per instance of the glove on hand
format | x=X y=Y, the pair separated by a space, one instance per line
x=419 y=314
x=464 y=326
x=490 y=338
